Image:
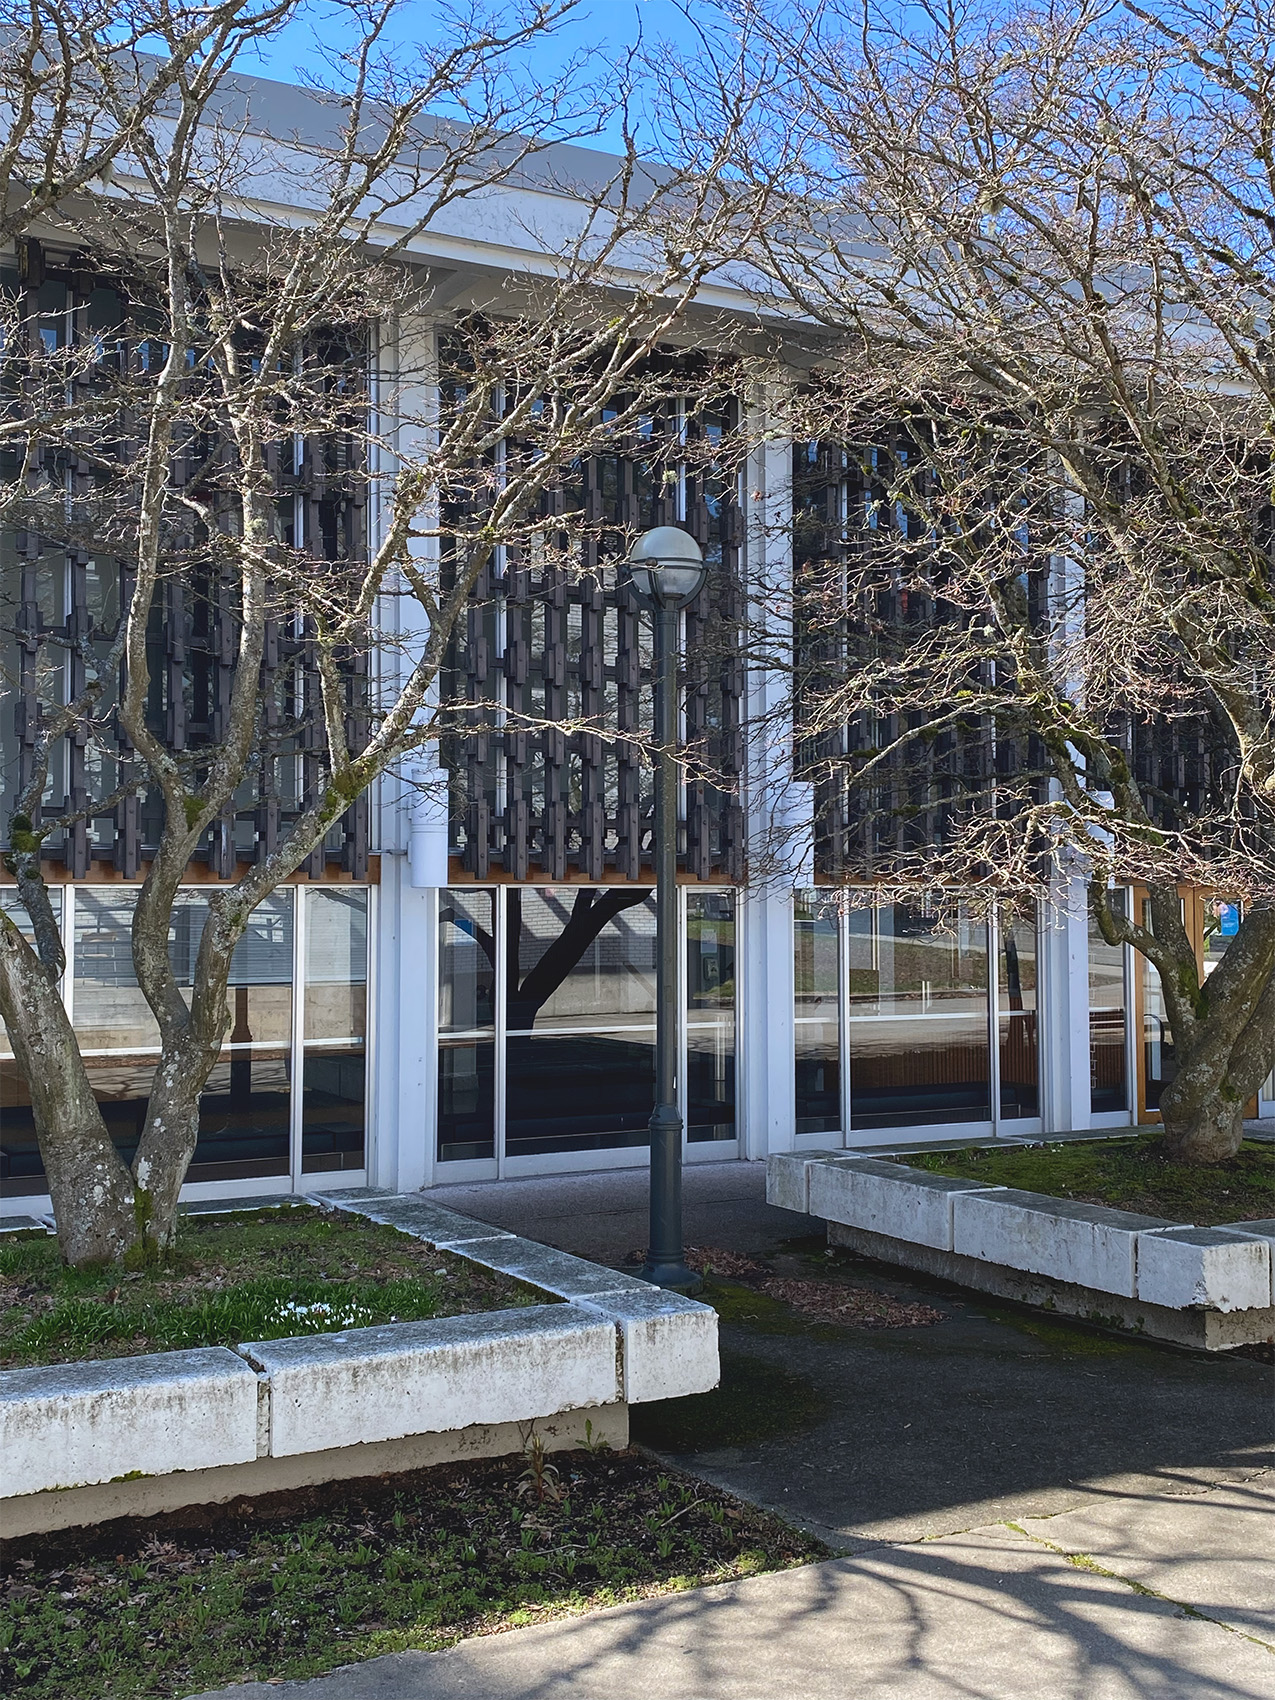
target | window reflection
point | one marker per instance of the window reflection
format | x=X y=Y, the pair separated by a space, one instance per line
x=580 y=1018
x=816 y=1016
x=918 y=1017
x=1017 y=1012
x=244 y=1110
x=710 y=1016
x=467 y=1025
x=1159 y=1050
x=1160 y=1060
x=1108 y=1071
x=332 y=1129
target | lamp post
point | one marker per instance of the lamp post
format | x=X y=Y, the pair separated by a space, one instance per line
x=666 y=570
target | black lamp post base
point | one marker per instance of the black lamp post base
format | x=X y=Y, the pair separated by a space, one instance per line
x=674 y=1275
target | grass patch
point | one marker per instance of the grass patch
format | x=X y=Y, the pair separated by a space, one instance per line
x=1128 y=1174
x=753 y=1401
x=298 y=1583
x=249 y=1275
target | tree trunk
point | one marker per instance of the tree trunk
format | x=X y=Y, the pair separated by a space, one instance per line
x=1202 y=1124
x=1226 y=1055
x=168 y=1140
x=89 y=1184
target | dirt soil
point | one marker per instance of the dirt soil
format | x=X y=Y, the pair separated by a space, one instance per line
x=292 y=1584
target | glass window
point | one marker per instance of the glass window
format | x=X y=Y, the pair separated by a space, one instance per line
x=1159 y=1053
x=245 y=1111
x=1016 y=1013
x=119 y=1040
x=580 y=1018
x=918 y=1017
x=1221 y=924
x=816 y=1014
x=467 y=1025
x=1108 y=1071
x=21 y=1167
x=710 y=1015
x=332 y=1131
x=1159 y=1050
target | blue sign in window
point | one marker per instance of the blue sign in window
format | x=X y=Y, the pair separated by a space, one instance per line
x=1228 y=922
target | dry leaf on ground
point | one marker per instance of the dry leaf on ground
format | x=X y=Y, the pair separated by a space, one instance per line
x=860 y=1307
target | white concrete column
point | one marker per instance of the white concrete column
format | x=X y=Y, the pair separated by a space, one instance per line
x=405 y=1090
x=405 y=1079
x=766 y=1022
x=1064 y=999
x=778 y=809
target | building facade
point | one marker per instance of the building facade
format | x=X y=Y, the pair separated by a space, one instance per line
x=460 y=985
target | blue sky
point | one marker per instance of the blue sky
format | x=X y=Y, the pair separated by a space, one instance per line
x=605 y=27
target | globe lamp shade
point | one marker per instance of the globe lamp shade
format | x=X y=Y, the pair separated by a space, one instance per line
x=666 y=567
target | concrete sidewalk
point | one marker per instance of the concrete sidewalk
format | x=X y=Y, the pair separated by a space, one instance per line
x=999 y=1413
x=1168 y=1598
x=1029 y=1510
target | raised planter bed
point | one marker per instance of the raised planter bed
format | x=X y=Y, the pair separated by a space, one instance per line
x=132 y=1436
x=1211 y=1287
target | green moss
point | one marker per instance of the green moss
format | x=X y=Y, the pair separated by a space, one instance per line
x=348 y=786
x=144 y=1253
x=23 y=838
x=1062 y=1335
x=753 y=1401
x=1128 y=1174
x=1192 y=990
x=736 y=1303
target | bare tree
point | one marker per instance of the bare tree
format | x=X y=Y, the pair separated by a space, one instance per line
x=244 y=277
x=1034 y=253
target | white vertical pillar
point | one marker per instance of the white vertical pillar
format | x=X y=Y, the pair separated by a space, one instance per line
x=778 y=809
x=768 y=1108
x=1064 y=965
x=404 y=1096
x=405 y=1061
x=1064 y=1007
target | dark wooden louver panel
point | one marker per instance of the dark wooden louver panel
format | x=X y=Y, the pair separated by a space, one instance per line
x=59 y=594
x=849 y=543
x=550 y=682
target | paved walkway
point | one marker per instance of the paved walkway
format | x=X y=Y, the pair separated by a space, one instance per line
x=1173 y=1598
x=1028 y=1510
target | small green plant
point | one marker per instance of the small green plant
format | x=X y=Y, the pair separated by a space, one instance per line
x=540 y=1477
x=594 y=1444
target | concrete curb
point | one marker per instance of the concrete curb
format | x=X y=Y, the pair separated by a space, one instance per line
x=615 y=1341
x=1079 y=1249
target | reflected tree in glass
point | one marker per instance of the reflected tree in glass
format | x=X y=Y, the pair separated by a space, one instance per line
x=580 y=1018
x=1108 y=1069
x=1016 y=1017
x=467 y=1025
x=710 y=1016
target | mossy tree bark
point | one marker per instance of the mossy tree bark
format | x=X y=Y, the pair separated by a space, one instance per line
x=89 y=1183
x=1223 y=1023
